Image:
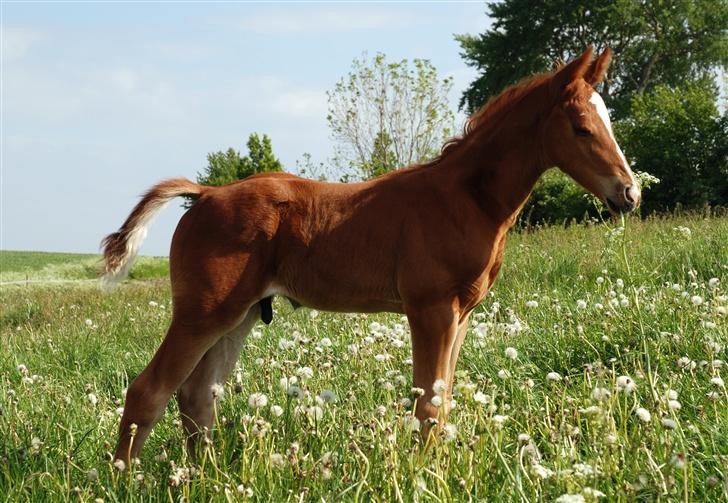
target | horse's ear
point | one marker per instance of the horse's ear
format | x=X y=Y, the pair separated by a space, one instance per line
x=598 y=69
x=569 y=73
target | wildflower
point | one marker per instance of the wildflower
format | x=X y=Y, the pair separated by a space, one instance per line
x=257 y=400
x=626 y=384
x=328 y=396
x=581 y=304
x=600 y=393
x=541 y=471
x=451 y=432
x=412 y=424
x=35 y=444
x=643 y=414
x=305 y=372
x=591 y=410
x=718 y=381
x=218 y=391
x=570 y=498
x=523 y=438
x=481 y=397
x=504 y=374
x=592 y=493
x=120 y=465
x=669 y=423
x=276 y=410
x=92 y=475
x=511 y=353
x=696 y=300
x=295 y=392
x=713 y=282
x=380 y=410
x=499 y=419
x=674 y=405
x=439 y=387
x=678 y=461
x=277 y=460
x=553 y=376
x=89 y=322
x=624 y=302
x=583 y=470
x=436 y=401
x=92 y=398
x=600 y=280
x=325 y=342
x=22 y=369
x=532 y=304
x=417 y=392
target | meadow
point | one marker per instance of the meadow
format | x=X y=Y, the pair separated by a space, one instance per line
x=594 y=371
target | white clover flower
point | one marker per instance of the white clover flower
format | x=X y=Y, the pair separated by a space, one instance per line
x=532 y=304
x=439 y=387
x=511 y=353
x=257 y=400
x=581 y=304
x=696 y=300
x=626 y=384
x=553 y=376
x=643 y=414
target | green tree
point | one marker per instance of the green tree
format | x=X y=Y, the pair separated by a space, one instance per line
x=655 y=42
x=679 y=136
x=227 y=166
x=388 y=115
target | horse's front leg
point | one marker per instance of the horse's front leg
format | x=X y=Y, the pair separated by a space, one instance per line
x=434 y=333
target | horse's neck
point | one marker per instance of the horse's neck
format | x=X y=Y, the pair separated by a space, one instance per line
x=500 y=174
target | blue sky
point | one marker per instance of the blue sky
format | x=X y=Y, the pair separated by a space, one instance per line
x=102 y=100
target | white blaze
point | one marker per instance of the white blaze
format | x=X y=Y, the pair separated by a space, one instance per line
x=598 y=102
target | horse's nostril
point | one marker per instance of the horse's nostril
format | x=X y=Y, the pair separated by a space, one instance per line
x=628 y=194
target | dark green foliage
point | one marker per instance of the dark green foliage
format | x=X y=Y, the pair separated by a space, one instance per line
x=557 y=199
x=678 y=135
x=655 y=42
x=225 y=167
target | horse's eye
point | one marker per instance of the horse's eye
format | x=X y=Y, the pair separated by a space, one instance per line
x=580 y=131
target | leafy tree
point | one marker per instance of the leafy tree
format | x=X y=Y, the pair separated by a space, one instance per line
x=388 y=115
x=678 y=135
x=655 y=42
x=227 y=166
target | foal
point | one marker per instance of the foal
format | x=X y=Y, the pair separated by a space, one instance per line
x=426 y=241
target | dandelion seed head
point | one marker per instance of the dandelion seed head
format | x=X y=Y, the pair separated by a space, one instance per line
x=643 y=414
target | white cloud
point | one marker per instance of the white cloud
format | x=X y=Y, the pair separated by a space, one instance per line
x=17 y=42
x=324 y=20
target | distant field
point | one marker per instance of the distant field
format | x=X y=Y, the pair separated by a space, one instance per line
x=595 y=371
x=30 y=266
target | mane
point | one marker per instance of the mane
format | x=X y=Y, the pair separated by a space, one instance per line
x=489 y=116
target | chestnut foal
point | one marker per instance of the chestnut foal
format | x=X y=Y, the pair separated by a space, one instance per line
x=426 y=241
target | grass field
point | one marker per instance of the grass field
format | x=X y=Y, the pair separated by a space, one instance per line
x=593 y=371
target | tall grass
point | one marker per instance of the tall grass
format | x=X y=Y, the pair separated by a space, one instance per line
x=592 y=371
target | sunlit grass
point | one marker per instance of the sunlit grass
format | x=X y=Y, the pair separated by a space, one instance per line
x=584 y=374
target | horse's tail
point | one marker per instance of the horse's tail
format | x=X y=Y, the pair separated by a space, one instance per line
x=121 y=247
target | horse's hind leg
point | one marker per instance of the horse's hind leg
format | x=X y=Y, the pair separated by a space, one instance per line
x=187 y=341
x=195 y=396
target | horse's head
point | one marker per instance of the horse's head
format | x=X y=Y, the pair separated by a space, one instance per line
x=578 y=135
